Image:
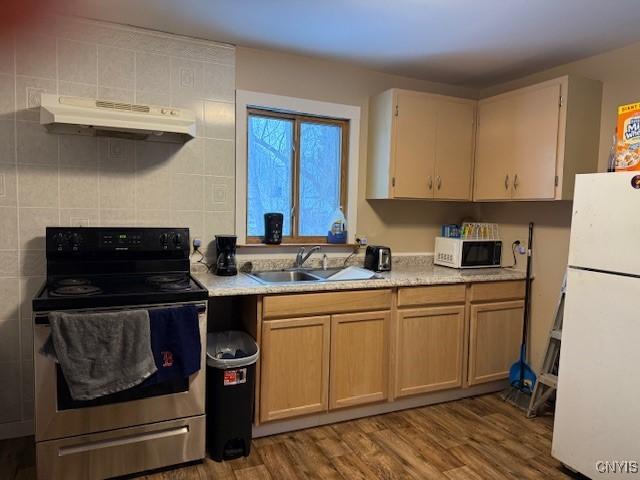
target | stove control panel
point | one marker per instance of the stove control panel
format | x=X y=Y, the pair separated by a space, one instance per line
x=69 y=241
x=96 y=240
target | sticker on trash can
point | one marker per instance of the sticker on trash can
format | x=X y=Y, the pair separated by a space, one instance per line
x=235 y=377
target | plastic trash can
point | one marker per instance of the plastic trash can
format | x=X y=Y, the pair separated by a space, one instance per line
x=231 y=373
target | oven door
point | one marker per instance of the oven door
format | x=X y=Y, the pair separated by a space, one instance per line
x=58 y=416
x=481 y=254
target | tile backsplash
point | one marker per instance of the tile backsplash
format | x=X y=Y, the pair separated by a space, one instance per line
x=68 y=180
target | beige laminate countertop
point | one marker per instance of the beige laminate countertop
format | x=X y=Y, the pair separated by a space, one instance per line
x=402 y=276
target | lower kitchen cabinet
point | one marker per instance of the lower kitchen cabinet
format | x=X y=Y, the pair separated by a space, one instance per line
x=294 y=367
x=429 y=349
x=323 y=352
x=359 y=358
x=494 y=340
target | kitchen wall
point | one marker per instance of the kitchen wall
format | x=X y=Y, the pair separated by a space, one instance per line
x=48 y=180
x=410 y=226
x=618 y=73
x=66 y=180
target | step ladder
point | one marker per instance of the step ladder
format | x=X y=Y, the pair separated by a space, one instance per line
x=547 y=382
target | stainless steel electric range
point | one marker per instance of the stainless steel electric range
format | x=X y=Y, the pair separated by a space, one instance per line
x=110 y=269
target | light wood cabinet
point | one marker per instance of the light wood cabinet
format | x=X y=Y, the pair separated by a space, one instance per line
x=294 y=376
x=455 y=133
x=494 y=339
x=531 y=142
x=413 y=150
x=302 y=304
x=420 y=146
x=359 y=358
x=430 y=349
x=322 y=352
x=431 y=295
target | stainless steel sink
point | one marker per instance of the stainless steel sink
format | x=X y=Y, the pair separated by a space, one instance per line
x=284 y=276
x=296 y=275
x=324 y=274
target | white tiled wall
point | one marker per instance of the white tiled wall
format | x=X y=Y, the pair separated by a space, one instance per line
x=48 y=180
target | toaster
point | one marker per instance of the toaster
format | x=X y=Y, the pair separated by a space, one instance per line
x=377 y=258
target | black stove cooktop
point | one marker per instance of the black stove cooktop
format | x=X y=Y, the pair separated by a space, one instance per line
x=108 y=267
x=113 y=290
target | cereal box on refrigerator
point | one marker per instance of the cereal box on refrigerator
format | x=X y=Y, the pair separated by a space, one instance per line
x=628 y=141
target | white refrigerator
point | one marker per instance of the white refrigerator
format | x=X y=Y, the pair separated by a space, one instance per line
x=597 y=419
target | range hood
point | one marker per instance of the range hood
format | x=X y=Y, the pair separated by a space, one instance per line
x=88 y=116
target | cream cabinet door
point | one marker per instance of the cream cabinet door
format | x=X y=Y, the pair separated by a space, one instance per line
x=494 y=340
x=294 y=367
x=454 y=149
x=414 y=146
x=494 y=148
x=359 y=358
x=535 y=143
x=429 y=349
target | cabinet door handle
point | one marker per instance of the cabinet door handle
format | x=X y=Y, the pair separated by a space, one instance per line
x=438 y=182
x=430 y=182
x=515 y=182
x=506 y=182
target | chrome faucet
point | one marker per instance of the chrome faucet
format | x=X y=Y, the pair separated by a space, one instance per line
x=301 y=257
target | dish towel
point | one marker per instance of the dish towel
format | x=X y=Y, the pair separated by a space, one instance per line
x=102 y=353
x=175 y=342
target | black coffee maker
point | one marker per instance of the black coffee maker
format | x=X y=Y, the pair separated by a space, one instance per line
x=226 y=255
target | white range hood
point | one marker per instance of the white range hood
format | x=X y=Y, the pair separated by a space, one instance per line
x=88 y=116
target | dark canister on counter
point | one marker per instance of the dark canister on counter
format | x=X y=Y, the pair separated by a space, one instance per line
x=273 y=228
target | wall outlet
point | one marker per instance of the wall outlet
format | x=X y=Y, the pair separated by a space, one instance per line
x=197 y=243
x=362 y=241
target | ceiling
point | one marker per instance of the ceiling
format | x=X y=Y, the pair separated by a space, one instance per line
x=466 y=42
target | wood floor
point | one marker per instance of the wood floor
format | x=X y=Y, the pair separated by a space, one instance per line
x=475 y=438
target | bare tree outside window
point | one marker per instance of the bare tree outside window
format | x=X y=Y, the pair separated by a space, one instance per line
x=297 y=167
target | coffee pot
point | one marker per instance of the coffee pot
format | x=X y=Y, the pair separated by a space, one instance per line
x=226 y=255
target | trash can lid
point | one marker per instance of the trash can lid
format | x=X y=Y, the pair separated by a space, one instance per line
x=231 y=349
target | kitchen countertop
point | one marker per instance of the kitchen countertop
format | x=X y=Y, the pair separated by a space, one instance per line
x=400 y=276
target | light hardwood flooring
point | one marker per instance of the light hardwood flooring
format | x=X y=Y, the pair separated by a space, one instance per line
x=474 y=438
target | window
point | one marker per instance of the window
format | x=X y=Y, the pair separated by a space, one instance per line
x=297 y=166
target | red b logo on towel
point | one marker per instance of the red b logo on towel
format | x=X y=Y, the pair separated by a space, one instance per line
x=167 y=357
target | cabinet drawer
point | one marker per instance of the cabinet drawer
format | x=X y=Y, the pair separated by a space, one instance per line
x=435 y=295
x=489 y=291
x=278 y=306
x=123 y=451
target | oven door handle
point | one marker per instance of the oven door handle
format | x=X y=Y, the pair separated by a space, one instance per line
x=44 y=319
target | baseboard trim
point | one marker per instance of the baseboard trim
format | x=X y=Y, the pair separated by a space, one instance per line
x=273 y=428
x=16 y=429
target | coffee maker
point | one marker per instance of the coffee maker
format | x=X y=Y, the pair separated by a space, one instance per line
x=226 y=255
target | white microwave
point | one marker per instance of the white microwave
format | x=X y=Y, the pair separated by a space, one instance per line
x=467 y=253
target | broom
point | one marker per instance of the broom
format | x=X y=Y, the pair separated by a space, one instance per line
x=521 y=377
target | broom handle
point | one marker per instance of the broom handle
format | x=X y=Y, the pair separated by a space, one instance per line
x=527 y=300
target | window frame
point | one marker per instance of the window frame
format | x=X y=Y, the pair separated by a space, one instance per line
x=298 y=119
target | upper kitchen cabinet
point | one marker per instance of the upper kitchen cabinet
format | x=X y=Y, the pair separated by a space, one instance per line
x=420 y=146
x=532 y=142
